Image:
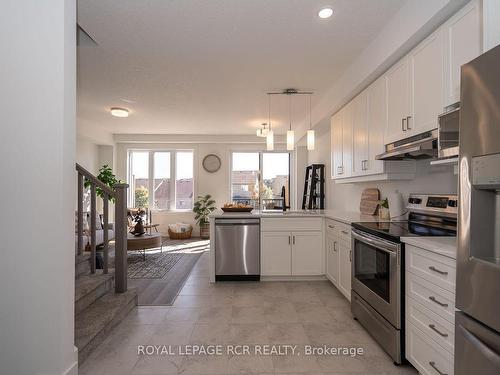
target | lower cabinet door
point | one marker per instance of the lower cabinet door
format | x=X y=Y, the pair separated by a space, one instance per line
x=332 y=261
x=344 y=269
x=307 y=254
x=276 y=254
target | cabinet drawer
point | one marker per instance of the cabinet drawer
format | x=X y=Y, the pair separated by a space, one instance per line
x=436 y=299
x=433 y=267
x=425 y=354
x=332 y=228
x=291 y=224
x=434 y=326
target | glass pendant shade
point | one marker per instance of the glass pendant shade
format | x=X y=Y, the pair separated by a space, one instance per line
x=290 y=140
x=310 y=140
x=270 y=141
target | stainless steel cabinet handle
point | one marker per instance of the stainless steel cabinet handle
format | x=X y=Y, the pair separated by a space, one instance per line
x=432 y=268
x=433 y=365
x=293 y=239
x=403 y=128
x=335 y=246
x=350 y=255
x=433 y=327
x=331 y=226
x=433 y=299
x=408 y=122
x=345 y=232
x=289 y=240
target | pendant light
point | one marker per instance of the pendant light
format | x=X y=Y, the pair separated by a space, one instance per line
x=270 y=134
x=290 y=135
x=310 y=132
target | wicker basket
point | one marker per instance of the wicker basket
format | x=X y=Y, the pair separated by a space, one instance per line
x=180 y=236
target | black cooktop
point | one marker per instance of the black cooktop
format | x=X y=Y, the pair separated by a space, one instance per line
x=395 y=229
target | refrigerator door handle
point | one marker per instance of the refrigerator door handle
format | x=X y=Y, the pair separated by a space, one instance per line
x=482 y=347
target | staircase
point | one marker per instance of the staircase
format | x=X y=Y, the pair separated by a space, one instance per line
x=101 y=296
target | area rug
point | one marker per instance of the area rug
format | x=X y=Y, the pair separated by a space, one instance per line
x=175 y=263
x=154 y=266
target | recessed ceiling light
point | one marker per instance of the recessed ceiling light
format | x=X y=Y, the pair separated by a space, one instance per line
x=119 y=112
x=325 y=13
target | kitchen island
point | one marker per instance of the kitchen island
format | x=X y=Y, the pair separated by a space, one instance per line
x=293 y=243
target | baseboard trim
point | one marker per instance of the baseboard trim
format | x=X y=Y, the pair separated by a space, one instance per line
x=293 y=278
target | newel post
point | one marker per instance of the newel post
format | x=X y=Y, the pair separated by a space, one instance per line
x=121 y=238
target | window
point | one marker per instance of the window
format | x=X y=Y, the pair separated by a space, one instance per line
x=257 y=179
x=151 y=178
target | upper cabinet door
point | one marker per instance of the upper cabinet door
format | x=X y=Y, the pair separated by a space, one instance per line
x=336 y=144
x=360 y=135
x=426 y=84
x=347 y=119
x=462 y=44
x=377 y=124
x=491 y=24
x=397 y=101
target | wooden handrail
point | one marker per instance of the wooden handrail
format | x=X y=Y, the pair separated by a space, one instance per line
x=119 y=193
x=98 y=183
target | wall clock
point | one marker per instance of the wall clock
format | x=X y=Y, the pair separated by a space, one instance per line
x=211 y=163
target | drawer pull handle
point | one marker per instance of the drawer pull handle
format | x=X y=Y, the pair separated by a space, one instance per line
x=432 y=268
x=345 y=232
x=433 y=299
x=331 y=226
x=335 y=246
x=433 y=365
x=433 y=327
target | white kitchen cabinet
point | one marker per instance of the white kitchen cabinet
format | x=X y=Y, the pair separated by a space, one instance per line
x=336 y=144
x=344 y=269
x=462 y=44
x=397 y=101
x=347 y=122
x=491 y=24
x=426 y=84
x=376 y=123
x=307 y=254
x=360 y=135
x=332 y=261
x=275 y=254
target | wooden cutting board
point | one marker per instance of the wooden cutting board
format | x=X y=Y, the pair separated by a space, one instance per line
x=369 y=201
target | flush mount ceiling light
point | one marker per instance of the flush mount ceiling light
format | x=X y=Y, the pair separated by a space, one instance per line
x=119 y=112
x=263 y=131
x=325 y=13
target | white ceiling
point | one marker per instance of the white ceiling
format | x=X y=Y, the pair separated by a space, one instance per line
x=204 y=66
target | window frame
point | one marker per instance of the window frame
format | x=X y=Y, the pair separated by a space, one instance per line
x=173 y=177
x=291 y=195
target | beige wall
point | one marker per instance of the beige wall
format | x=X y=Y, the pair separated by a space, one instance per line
x=429 y=179
x=216 y=184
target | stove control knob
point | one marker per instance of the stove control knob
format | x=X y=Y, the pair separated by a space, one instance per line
x=452 y=203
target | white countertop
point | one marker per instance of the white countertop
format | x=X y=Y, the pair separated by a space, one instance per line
x=346 y=217
x=446 y=246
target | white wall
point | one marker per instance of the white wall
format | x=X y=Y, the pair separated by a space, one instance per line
x=429 y=179
x=216 y=184
x=38 y=93
x=87 y=154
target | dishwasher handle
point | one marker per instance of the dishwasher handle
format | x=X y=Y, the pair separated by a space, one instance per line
x=237 y=222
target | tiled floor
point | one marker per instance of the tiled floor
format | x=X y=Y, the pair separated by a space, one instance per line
x=286 y=313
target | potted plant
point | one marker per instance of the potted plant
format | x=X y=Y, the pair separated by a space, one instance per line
x=203 y=206
x=384 y=209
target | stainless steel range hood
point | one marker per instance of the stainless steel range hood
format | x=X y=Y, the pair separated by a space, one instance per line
x=420 y=146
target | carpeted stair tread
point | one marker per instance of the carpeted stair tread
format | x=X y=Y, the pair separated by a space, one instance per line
x=94 y=323
x=86 y=284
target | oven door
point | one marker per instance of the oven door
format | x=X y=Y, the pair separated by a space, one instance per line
x=376 y=274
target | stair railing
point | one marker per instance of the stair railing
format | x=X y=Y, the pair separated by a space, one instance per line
x=119 y=194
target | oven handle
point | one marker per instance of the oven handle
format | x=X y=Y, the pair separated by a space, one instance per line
x=388 y=247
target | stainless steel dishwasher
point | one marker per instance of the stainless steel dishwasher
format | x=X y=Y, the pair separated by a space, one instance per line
x=237 y=249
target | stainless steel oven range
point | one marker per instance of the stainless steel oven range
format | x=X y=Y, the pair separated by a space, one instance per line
x=377 y=298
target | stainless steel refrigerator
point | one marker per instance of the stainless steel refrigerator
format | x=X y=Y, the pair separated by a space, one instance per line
x=477 y=324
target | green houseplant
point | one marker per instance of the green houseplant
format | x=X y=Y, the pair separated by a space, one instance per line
x=203 y=206
x=107 y=177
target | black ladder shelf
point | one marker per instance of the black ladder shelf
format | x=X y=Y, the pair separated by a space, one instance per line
x=314 y=188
